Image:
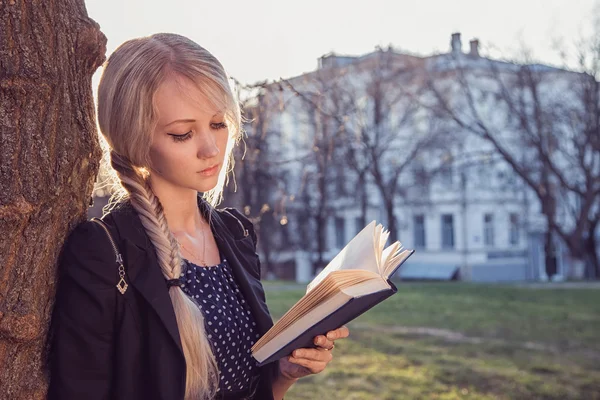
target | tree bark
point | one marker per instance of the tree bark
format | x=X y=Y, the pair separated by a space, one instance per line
x=321 y=216
x=364 y=200
x=592 y=264
x=550 y=252
x=266 y=224
x=49 y=158
x=391 y=218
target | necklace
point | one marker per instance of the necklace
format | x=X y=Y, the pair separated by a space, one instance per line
x=194 y=255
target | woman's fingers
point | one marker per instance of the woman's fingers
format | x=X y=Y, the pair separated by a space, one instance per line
x=327 y=341
x=313 y=366
x=339 y=333
x=312 y=355
x=323 y=342
x=315 y=360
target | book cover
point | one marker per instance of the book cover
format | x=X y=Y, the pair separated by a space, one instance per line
x=366 y=254
x=348 y=312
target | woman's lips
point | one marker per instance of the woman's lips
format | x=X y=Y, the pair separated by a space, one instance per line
x=210 y=171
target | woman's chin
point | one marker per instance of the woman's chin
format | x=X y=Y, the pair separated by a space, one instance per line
x=207 y=185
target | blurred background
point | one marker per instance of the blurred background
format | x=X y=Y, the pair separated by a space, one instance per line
x=470 y=129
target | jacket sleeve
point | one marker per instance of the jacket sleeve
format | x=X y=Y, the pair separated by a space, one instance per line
x=82 y=327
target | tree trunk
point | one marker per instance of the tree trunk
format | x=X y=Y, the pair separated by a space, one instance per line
x=321 y=214
x=593 y=261
x=364 y=200
x=321 y=219
x=550 y=251
x=391 y=218
x=320 y=224
x=49 y=158
x=267 y=224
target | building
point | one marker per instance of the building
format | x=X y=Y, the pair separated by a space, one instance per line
x=472 y=218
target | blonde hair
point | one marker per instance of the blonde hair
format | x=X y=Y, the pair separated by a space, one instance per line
x=127 y=117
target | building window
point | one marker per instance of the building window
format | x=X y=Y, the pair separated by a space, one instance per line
x=420 y=177
x=419 y=172
x=358 y=224
x=447 y=171
x=340 y=183
x=484 y=174
x=419 y=230
x=488 y=229
x=447 y=231
x=513 y=237
x=340 y=232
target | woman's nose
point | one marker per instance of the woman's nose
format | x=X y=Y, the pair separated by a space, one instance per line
x=207 y=145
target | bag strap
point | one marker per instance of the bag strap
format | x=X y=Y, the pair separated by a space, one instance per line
x=122 y=285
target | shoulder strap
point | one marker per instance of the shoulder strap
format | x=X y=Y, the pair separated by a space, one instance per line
x=122 y=284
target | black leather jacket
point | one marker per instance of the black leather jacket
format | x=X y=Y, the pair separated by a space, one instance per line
x=108 y=345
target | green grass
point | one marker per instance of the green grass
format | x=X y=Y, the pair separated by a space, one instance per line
x=518 y=343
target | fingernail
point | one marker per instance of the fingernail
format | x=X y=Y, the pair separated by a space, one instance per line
x=297 y=354
x=330 y=336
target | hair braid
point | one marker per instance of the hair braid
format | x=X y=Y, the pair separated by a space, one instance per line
x=190 y=320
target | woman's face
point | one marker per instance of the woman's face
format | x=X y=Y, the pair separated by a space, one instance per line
x=190 y=138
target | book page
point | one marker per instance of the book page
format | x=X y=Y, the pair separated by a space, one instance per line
x=277 y=340
x=381 y=237
x=388 y=255
x=330 y=286
x=396 y=260
x=359 y=253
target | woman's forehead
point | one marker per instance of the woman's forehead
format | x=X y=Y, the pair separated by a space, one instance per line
x=177 y=98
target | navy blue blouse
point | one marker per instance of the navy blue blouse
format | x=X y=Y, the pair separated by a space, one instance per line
x=228 y=321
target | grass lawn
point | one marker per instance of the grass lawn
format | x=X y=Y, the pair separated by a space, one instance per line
x=462 y=341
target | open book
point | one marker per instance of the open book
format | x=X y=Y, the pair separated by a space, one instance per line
x=353 y=282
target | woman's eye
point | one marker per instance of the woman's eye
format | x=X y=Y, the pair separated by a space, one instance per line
x=181 y=138
x=219 y=125
x=186 y=136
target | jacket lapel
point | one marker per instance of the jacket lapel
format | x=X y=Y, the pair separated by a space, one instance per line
x=147 y=278
x=143 y=270
x=249 y=285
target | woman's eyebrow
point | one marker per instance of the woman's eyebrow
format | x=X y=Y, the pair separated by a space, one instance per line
x=179 y=121
x=218 y=113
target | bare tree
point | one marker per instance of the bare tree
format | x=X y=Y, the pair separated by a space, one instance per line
x=388 y=131
x=582 y=123
x=49 y=156
x=544 y=123
x=257 y=171
x=319 y=112
x=365 y=121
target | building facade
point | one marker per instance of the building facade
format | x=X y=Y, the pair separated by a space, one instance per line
x=359 y=136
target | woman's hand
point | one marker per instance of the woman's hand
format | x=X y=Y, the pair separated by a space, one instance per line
x=308 y=361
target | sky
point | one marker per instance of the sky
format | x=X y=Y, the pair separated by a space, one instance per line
x=258 y=40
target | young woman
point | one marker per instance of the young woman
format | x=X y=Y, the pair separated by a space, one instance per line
x=177 y=318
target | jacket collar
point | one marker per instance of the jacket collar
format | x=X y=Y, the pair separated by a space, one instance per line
x=145 y=276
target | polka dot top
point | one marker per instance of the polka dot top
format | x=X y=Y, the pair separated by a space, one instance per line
x=228 y=321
